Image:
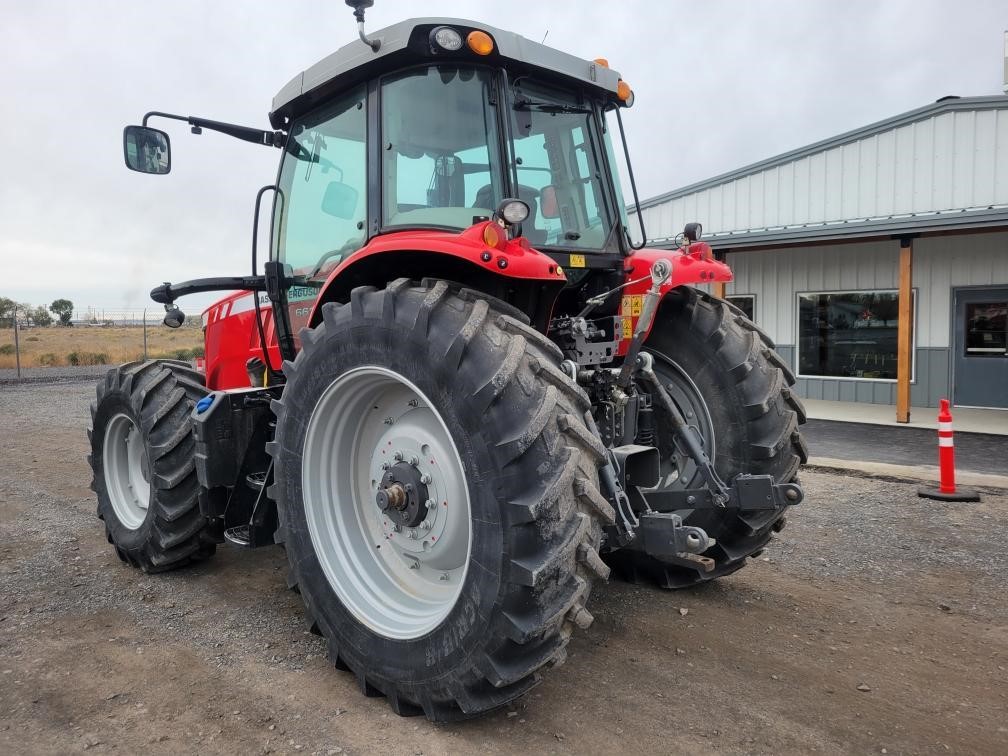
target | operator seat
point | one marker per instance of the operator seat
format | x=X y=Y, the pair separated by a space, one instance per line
x=529 y=195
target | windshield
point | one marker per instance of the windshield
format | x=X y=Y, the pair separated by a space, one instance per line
x=560 y=168
x=440 y=149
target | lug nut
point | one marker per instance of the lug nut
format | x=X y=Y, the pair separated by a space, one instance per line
x=425 y=479
x=414 y=461
x=413 y=533
x=398 y=456
x=385 y=465
x=429 y=504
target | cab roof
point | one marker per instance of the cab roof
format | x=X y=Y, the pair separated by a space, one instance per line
x=407 y=43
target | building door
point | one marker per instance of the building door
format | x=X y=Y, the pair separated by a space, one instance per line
x=980 y=344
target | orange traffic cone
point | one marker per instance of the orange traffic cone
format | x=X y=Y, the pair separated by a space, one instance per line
x=947 y=490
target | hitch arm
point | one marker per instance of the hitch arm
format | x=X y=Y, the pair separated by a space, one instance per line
x=684 y=435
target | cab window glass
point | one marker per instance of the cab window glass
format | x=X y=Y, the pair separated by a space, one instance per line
x=560 y=169
x=440 y=151
x=322 y=211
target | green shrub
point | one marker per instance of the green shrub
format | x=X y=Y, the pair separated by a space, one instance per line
x=47 y=360
x=6 y=349
x=87 y=358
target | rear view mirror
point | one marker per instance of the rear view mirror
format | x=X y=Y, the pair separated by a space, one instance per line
x=340 y=200
x=548 y=206
x=146 y=150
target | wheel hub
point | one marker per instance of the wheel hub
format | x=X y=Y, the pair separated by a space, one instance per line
x=403 y=495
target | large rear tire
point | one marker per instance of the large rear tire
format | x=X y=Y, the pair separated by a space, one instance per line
x=143 y=460
x=722 y=372
x=453 y=604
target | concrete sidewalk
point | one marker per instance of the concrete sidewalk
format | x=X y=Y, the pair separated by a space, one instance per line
x=904 y=452
x=968 y=419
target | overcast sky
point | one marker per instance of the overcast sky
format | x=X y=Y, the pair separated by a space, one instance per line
x=719 y=84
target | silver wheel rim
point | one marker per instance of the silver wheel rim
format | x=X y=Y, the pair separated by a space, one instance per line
x=127 y=473
x=400 y=582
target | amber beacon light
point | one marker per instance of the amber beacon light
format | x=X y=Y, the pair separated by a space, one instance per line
x=480 y=42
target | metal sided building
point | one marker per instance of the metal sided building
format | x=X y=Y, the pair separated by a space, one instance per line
x=877 y=260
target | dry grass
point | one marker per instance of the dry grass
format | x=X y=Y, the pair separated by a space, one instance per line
x=56 y=346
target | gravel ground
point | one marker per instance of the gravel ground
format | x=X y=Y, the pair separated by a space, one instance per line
x=53 y=374
x=876 y=622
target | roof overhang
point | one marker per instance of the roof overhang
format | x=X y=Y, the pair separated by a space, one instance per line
x=989 y=218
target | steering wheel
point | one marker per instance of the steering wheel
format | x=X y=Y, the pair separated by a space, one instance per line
x=351 y=246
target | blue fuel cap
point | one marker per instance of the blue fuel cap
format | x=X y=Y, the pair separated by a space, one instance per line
x=204 y=404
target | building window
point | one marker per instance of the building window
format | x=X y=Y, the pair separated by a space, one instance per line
x=987 y=329
x=849 y=334
x=746 y=303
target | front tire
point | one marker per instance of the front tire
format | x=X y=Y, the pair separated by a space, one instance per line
x=722 y=372
x=143 y=462
x=437 y=378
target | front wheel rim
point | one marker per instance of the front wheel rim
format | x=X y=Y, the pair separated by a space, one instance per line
x=399 y=572
x=127 y=471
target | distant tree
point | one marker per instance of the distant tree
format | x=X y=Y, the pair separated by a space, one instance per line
x=26 y=313
x=7 y=312
x=63 y=309
x=41 y=317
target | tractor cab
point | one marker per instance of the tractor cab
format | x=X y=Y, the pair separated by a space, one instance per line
x=433 y=148
x=443 y=121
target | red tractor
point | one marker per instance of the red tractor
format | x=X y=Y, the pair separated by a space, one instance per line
x=457 y=394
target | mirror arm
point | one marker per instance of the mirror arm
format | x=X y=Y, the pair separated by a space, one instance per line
x=245 y=133
x=167 y=293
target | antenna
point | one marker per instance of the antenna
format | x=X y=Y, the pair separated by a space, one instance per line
x=1005 y=88
x=359 y=7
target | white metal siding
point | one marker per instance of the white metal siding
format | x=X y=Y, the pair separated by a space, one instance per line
x=943 y=262
x=945 y=161
x=939 y=263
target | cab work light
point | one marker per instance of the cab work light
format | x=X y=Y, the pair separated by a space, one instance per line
x=446 y=38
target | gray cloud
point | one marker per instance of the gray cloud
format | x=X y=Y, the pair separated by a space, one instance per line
x=719 y=84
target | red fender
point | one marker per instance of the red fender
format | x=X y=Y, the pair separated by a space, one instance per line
x=694 y=264
x=509 y=258
x=231 y=335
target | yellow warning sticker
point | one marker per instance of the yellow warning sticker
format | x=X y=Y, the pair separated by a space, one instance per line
x=627 y=328
x=636 y=304
x=625 y=305
x=577 y=261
